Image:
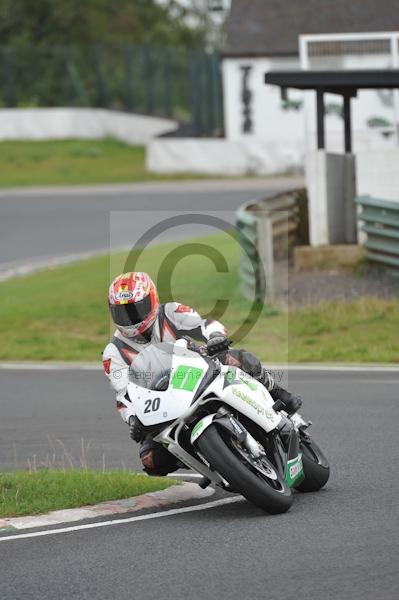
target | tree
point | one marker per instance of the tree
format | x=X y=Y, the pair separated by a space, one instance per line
x=70 y=22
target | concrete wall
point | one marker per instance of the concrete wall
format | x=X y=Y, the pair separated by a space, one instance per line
x=220 y=156
x=331 y=183
x=82 y=123
x=333 y=180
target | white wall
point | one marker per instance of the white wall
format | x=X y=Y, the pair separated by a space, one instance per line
x=270 y=121
x=297 y=129
x=282 y=132
x=82 y=123
x=378 y=174
x=220 y=156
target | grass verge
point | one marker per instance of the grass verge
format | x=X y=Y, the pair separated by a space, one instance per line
x=63 y=313
x=31 y=493
x=74 y=162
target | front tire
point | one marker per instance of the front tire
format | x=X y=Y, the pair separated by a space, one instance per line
x=244 y=479
x=315 y=467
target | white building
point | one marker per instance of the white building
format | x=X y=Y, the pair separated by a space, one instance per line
x=266 y=134
x=263 y=35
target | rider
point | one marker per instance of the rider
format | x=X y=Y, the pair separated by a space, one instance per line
x=141 y=320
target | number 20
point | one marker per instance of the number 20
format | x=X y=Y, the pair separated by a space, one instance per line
x=152 y=405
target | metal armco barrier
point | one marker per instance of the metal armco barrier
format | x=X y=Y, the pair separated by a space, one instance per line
x=268 y=229
x=381 y=224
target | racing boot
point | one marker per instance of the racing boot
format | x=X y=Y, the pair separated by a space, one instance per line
x=156 y=460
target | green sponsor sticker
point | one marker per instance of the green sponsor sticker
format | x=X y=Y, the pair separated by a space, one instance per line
x=294 y=471
x=252 y=385
x=261 y=410
x=230 y=375
x=186 y=378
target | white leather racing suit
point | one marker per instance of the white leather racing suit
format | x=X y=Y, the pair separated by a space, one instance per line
x=173 y=321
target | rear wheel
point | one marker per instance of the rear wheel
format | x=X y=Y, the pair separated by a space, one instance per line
x=315 y=467
x=256 y=479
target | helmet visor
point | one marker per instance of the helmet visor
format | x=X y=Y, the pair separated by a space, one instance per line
x=132 y=313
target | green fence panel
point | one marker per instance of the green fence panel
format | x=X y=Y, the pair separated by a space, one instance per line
x=380 y=231
x=146 y=79
x=375 y=244
x=384 y=218
x=378 y=203
x=381 y=224
x=388 y=261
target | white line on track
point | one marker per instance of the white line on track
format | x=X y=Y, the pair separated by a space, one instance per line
x=158 y=515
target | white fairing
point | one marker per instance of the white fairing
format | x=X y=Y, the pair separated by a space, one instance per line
x=186 y=371
x=153 y=407
x=248 y=397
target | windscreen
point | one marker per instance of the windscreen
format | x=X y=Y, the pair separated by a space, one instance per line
x=154 y=364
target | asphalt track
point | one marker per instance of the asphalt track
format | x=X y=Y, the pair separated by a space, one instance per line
x=44 y=224
x=340 y=543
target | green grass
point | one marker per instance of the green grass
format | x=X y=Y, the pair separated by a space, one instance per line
x=62 y=314
x=72 y=162
x=31 y=493
x=363 y=330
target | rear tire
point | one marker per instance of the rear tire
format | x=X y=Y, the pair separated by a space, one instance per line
x=315 y=467
x=242 y=479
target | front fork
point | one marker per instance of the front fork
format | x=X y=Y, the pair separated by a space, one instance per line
x=287 y=440
x=227 y=420
x=284 y=444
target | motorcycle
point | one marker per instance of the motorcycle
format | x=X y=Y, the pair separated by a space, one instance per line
x=220 y=422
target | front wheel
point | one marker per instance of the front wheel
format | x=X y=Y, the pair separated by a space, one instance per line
x=256 y=479
x=315 y=467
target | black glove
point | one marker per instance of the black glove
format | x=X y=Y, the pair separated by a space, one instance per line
x=292 y=402
x=251 y=365
x=136 y=429
x=217 y=343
